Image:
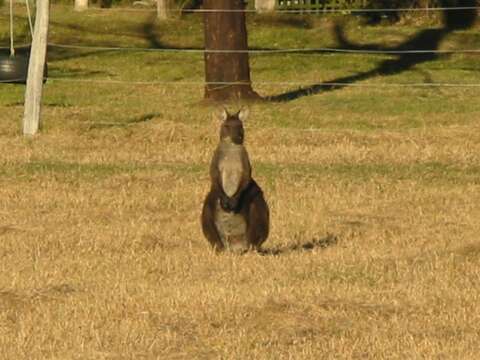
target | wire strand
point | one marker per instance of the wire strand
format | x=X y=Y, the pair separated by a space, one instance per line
x=267 y=51
x=338 y=10
x=297 y=11
x=284 y=83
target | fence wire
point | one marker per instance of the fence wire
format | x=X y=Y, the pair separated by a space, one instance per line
x=304 y=84
x=344 y=11
x=268 y=51
x=320 y=50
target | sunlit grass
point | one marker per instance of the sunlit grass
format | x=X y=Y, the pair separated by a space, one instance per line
x=373 y=192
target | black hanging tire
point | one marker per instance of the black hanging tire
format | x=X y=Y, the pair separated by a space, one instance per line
x=14 y=69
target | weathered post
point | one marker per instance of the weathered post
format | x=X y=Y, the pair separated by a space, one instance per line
x=265 y=6
x=426 y=5
x=81 y=5
x=162 y=9
x=36 y=66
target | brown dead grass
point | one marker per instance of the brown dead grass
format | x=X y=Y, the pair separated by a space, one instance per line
x=374 y=251
x=102 y=255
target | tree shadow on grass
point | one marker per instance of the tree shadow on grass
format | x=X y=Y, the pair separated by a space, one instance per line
x=148 y=31
x=125 y=123
x=314 y=244
x=428 y=39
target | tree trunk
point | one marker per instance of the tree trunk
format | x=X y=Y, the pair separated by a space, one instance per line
x=461 y=19
x=33 y=93
x=81 y=5
x=105 y=4
x=227 y=74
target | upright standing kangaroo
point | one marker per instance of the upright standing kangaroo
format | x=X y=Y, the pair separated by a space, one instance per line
x=235 y=215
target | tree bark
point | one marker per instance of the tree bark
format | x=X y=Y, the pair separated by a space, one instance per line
x=227 y=74
x=105 y=4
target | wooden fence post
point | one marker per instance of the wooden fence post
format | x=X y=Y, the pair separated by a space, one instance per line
x=263 y=6
x=36 y=66
x=81 y=5
x=162 y=9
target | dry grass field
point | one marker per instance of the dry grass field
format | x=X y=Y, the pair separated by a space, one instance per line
x=374 y=193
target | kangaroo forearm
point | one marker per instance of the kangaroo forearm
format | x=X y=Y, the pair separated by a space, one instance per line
x=242 y=187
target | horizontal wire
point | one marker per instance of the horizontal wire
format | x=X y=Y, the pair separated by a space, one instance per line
x=297 y=83
x=266 y=51
x=348 y=10
x=296 y=11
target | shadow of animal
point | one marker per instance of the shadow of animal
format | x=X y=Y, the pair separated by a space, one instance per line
x=314 y=244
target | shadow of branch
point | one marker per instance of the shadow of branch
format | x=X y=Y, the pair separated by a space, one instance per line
x=427 y=39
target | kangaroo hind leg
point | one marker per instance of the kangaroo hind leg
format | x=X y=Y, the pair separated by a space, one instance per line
x=208 y=223
x=258 y=222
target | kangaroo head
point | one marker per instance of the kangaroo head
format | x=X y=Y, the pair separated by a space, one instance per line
x=231 y=129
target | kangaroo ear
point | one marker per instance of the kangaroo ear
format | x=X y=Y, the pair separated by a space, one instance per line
x=222 y=114
x=243 y=114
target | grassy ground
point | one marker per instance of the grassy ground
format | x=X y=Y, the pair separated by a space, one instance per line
x=374 y=193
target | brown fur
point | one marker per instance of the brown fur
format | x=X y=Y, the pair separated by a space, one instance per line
x=239 y=221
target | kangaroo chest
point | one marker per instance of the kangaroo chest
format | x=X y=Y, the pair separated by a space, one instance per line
x=231 y=167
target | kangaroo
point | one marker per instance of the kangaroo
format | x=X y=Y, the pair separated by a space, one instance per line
x=235 y=215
